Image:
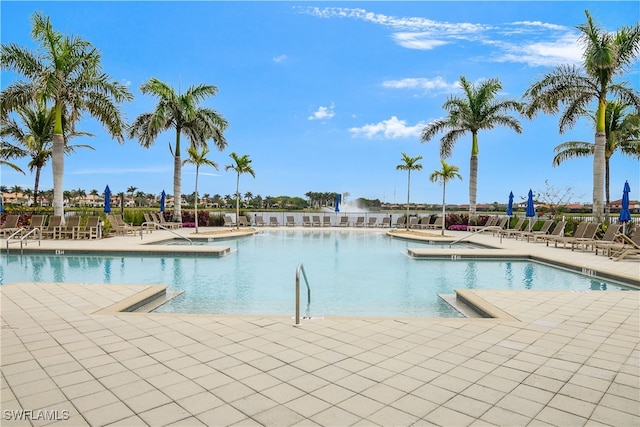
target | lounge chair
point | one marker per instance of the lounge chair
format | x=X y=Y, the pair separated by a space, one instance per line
x=490 y=223
x=88 y=230
x=520 y=227
x=607 y=238
x=589 y=233
x=37 y=221
x=372 y=221
x=326 y=221
x=291 y=222
x=435 y=225
x=306 y=221
x=229 y=222
x=386 y=222
x=400 y=222
x=496 y=229
x=52 y=227
x=544 y=229
x=121 y=228
x=243 y=221
x=558 y=230
x=631 y=247
x=359 y=222
x=579 y=232
x=273 y=221
x=259 y=221
x=414 y=222
x=66 y=230
x=10 y=225
x=168 y=224
x=315 y=220
x=344 y=221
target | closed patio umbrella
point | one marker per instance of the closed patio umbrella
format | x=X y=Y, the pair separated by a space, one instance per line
x=163 y=196
x=107 y=200
x=510 y=207
x=531 y=210
x=625 y=214
x=338 y=200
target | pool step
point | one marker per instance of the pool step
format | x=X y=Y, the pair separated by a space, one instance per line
x=158 y=301
x=460 y=306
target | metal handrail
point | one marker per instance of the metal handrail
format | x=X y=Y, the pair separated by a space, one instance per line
x=299 y=269
x=165 y=228
x=491 y=227
x=18 y=231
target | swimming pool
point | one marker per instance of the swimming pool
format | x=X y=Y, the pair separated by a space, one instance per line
x=351 y=273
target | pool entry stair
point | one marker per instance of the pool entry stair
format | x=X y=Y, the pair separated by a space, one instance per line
x=300 y=269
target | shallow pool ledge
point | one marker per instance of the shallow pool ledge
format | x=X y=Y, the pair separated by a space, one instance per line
x=482 y=306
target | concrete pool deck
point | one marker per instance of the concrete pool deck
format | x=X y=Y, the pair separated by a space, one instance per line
x=556 y=358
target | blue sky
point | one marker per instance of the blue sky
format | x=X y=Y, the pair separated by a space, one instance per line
x=325 y=96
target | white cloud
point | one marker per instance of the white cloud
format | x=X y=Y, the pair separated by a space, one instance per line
x=535 y=43
x=436 y=85
x=564 y=50
x=279 y=58
x=323 y=113
x=392 y=128
x=421 y=41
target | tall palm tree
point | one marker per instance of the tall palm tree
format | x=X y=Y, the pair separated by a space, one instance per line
x=622 y=132
x=182 y=113
x=477 y=110
x=444 y=175
x=199 y=158
x=606 y=55
x=241 y=164
x=36 y=135
x=67 y=72
x=409 y=164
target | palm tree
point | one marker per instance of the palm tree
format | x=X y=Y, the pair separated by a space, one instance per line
x=36 y=136
x=409 y=164
x=606 y=55
x=182 y=113
x=623 y=133
x=65 y=71
x=241 y=164
x=444 y=175
x=199 y=158
x=478 y=110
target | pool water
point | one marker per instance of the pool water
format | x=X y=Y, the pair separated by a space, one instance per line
x=350 y=273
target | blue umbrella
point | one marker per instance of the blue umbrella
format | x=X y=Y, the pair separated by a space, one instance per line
x=1 y=203
x=531 y=210
x=625 y=214
x=510 y=206
x=107 y=200
x=163 y=195
x=338 y=200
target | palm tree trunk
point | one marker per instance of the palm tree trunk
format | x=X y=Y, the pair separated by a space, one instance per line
x=36 y=185
x=195 y=209
x=598 y=176
x=57 y=164
x=177 y=188
x=473 y=188
x=406 y=221
x=238 y=202
x=607 y=205
x=444 y=186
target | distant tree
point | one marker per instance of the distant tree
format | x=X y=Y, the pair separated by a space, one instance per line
x=477 y=110
x=444 y=175
x=408 y=164
x=199 y=158
x=241 y=164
